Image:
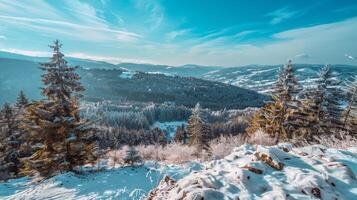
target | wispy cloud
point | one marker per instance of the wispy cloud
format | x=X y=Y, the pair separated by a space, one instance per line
x=349 y=57
x=302 y=56
x=174 y=34
x=81 y=22
x=2 y=37
x=281 y=15
x=27 y=52
x=109 y=59
x=155 y=12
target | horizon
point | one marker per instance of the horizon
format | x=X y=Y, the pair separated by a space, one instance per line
x=177 y=33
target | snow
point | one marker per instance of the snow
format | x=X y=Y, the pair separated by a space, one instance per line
x=169 y=127
x=313 y=172
x=127 y=74
x=119 y=183
x=158 y=72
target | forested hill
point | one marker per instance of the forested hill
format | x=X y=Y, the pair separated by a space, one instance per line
x=103 y=84
x=139 y=86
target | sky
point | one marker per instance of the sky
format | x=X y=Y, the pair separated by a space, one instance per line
x=177 y=32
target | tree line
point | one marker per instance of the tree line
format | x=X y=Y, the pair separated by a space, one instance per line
x=296 y=112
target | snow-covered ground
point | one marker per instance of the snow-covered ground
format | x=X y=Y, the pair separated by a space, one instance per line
x=120 y=183
x=249 y=172
x=169 y=127
x=279 y=172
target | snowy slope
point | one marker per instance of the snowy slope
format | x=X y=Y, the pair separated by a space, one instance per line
x=261 y=78
x=121 y=183
x=269 y=173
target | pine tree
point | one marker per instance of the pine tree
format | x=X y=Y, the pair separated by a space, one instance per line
x=131 y=156
x=277 y=117
x=181 y=135
x=331 y=94
x=22 y=100
x=349 y=116
x=61 y=140
x=287 y=86
x=198 y=130
x=9 y=143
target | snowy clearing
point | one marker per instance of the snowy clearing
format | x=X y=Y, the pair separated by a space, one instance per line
x=120 y=183
x=279 y=172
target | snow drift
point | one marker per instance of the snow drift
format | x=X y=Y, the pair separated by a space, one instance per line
x=278 y=172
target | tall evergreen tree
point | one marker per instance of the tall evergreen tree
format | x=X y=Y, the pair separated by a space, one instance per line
x=61 y=139
x=21 y=100
x=9 y=143
x=286 y=87
x=349 y=116
x=198 y=130
x=276 y=118
x=181 y=135
x=331 y=94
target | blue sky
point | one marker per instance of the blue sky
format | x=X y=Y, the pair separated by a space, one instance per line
x=177 y=32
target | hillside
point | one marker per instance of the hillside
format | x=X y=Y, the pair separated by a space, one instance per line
x=159 y=88
x=260 y=78
x=279 y=172
x=312 y=172
x=185 y=70
x=115 y=84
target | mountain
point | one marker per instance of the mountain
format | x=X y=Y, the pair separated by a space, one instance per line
x=116 y=84
x=189 y=70
x=119 y=84
x=260 y=78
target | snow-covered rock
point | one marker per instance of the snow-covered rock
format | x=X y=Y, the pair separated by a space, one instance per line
x=277 y=172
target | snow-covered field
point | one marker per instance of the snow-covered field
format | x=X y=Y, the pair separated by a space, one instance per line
x=249 y=172
x=120 y=183
x=278 y=172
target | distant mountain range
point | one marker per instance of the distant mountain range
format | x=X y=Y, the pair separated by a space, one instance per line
x=261 y=78
x=21 y=72
x=102 y=83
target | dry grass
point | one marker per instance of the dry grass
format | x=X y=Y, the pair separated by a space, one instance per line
x=261 y=138
x=223 y=146
x=170 y=154
x=176 y=153
x=339 y=141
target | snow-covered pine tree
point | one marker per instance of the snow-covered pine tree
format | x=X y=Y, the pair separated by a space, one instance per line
x=62 y=141
x=331 y=94
x=349 y=116
x=9 y=143
x=198 y=130
x=21 y=100
x=277 y=117
x=131 y=156
x=287 y=87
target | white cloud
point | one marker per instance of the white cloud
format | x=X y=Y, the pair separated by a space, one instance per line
x=322 y=43
x=27 y=52
x=302 y=56
x=79 y=20
x=174 y=34
x=349 y=57
x=2 y=37
x=155 y=12
x=280 y=15
x=109 y=59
